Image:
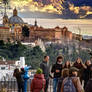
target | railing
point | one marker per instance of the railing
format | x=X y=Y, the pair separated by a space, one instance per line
x=11 y=85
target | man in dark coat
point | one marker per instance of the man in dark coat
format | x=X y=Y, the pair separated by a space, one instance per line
x=46 y=70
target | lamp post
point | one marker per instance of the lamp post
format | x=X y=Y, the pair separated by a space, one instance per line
x=80 y=38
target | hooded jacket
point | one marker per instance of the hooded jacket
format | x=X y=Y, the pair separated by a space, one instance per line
x=57 y=67
x=38 y=83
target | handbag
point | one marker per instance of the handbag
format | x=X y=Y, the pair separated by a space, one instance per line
x=42 y=90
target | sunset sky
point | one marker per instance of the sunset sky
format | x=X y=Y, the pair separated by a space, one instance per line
x=63 y=8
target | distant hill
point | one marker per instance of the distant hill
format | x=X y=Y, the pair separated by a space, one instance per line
x=87 y=37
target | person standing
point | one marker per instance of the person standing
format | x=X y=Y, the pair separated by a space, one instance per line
x=87 y=72
x=72 y=82
x=67 y=64
x=46 y=70
x=88 y=87
x=79 y=65
x=56 y=70
x=65 y=73
x=20 y=82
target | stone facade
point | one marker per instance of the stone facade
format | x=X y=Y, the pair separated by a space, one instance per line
x=50 y=34
x=5 y=33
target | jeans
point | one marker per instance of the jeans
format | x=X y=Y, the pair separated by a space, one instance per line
x=55 y=83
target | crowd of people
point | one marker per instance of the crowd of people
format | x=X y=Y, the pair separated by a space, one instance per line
x=68 y=77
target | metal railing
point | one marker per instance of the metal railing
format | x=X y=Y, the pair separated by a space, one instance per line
x=11 y=85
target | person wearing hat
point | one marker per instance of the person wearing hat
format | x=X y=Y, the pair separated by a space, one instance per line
x=73 y=72
x=56 y=70
x=38 y=82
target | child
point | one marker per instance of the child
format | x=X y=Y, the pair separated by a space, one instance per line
x=38 y=82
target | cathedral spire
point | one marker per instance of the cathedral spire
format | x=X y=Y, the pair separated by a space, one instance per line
x=35 y=23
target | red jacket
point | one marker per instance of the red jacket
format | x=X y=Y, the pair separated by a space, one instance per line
x=38 y=83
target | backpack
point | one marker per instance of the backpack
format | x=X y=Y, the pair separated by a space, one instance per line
x=69 y=86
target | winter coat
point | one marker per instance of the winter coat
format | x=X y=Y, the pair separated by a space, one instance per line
x=77 y=84
x=81 y=69
x=87 y=74
x=89 y=86
x=19 y=77
x=57 y=67
x=78 y=65
x=38 y=83
x=46 y=69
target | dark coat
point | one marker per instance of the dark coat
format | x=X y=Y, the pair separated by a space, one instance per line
x=87 y=75
x=57 y=67
x=81 y=69
x=89 y=86
x=18 y=77
x=78 y=66
x=46 y=69
x=38 y=83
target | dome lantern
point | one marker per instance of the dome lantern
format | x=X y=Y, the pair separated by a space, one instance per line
x=15 y=12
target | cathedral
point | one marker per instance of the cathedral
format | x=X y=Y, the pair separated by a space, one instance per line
x=14 y=20
x=11 y=28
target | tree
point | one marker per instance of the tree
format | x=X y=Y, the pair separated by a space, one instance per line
x=53 y=52
x=25 y=31
x=1 y=43
x=34 y=56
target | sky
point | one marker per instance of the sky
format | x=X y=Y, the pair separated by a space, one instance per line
x=66 y=9
x=51 y=13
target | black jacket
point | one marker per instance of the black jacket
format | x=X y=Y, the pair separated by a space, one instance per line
x=87 y=73
x=57 y=67
x=89 y=86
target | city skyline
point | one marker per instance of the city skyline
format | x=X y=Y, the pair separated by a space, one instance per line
x=49 y=15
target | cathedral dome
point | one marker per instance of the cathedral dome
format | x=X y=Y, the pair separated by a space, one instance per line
x=15 y=19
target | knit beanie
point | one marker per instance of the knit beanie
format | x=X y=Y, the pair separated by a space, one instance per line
x=39 y=71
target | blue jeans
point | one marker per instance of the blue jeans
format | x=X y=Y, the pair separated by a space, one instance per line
x=55 y=83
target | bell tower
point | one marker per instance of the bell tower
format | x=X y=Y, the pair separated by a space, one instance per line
x=5 y=19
